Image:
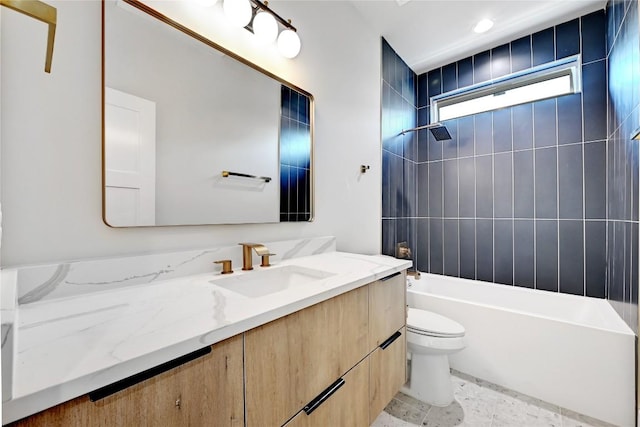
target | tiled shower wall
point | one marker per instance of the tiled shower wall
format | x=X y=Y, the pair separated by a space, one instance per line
x=399 y=152
x=622 y=158
x=542 y=195
x=518 y=196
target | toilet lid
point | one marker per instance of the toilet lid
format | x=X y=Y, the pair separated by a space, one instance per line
x=427 y=323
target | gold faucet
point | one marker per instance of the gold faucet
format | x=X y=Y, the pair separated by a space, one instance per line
x=247 y=256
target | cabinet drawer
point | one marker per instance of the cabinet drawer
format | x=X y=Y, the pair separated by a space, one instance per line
x=293 y=359
x=387 y=308
x=186 y=395
x=388 y=372
x=348 y=406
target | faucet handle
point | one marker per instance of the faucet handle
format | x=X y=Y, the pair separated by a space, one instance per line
x=265 y=260
x=226 y=266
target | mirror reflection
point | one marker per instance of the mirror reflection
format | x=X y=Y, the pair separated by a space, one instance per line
x=194 y=136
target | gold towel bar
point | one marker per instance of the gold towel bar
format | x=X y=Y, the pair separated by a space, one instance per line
x=42 y=12
x=226 y=174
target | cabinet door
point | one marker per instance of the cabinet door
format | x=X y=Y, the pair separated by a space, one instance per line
x=388 y=372
x=348 y=406
x=293 y=359
x=387 y=308
x=205 y=391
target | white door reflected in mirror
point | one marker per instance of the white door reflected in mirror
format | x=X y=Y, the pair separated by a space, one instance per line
x=130 y=159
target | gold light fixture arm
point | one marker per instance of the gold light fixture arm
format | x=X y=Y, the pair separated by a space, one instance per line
x=42 y=12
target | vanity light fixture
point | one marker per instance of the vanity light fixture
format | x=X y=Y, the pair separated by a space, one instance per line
x=483 y=26
x=257 y=17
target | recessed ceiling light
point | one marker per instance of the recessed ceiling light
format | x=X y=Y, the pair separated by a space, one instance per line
x=402 y=2
x=483 y=26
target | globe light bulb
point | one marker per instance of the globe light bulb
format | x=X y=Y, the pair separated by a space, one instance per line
x=206 y=3
x=289 y=43
x=265 y=27
x=237 y=11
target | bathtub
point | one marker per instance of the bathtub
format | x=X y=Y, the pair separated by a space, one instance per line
x=571 y=351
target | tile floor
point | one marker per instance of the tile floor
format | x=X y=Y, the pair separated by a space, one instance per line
x=483 y=404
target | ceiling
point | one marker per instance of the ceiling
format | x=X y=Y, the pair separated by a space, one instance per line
x=431 y=33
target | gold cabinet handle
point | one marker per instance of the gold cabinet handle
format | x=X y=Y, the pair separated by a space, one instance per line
x=42 y=12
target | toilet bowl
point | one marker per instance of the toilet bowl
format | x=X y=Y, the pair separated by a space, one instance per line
x=431 y=338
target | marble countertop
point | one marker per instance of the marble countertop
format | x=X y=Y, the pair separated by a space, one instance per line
x=70 y=346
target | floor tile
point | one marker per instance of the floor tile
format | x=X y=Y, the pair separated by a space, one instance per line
x=452 y=415
x=478 y=409
x=479 y=403
x=510 y=411
x=387 y=420
x=405 y=412
x=411 y=401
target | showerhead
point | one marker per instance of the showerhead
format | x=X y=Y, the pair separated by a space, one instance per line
x=440 y=132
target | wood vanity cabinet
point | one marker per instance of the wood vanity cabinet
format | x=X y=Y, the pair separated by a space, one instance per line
x=387 y=308
x=205 y=391
x=387 y=335
x=388 y=372
x=347 y=406
x=291 y=360
x=335 y=363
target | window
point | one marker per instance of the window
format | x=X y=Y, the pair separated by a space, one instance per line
x=549 y=80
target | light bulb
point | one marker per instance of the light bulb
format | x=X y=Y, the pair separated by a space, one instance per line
x=265 y=27
x=237 y=11
x=289 y=44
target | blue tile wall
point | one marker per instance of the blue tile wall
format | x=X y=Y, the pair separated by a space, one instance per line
x=295 y=156
x=519 y=195
x=546 y=194
x=401 y=203
x=621 y=228
x=568 y=39
x=542 y=44
x=521 y=54
x=500 y=61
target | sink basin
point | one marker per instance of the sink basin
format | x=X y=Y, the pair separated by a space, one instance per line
x=259 y=283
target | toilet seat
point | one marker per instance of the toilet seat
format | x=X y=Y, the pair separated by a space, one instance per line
x=430 y=324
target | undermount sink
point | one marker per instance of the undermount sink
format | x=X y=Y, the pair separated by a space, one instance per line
x=259 y=283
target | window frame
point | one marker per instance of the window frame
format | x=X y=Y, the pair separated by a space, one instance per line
x=570 y=66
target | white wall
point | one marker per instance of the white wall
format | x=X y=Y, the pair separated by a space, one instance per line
x=51 y=138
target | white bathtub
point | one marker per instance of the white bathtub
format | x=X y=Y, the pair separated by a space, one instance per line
x=571 y=351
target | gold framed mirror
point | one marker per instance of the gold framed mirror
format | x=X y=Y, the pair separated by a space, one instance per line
x=194 y=134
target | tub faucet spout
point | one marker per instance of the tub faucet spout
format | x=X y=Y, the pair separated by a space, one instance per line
x=403 y=251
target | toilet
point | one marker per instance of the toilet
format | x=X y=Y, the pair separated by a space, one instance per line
x=431 y=338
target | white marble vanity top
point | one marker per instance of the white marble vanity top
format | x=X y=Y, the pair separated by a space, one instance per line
x=69 y=346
